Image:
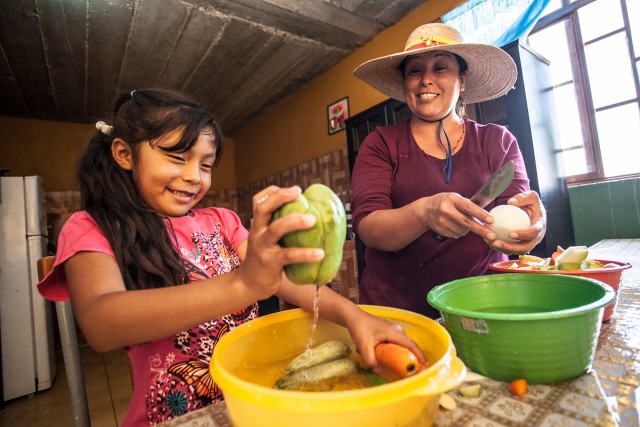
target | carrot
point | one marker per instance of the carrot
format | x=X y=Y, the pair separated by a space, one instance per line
x=556 y=254
x=518 y=387
x=398 y=359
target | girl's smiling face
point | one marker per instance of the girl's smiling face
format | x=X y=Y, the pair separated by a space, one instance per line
x=170 y=182
x=432 y=84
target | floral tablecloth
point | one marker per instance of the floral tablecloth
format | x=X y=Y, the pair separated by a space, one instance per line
x=607 y=395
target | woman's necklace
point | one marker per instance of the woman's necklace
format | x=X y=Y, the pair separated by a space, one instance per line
x=464 y=130
x=454 y=149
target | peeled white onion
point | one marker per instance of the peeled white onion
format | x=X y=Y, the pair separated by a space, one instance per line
x=507 y=218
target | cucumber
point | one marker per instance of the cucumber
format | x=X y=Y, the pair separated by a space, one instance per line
x=474 y=390
x=335 y=368
x=326 y=352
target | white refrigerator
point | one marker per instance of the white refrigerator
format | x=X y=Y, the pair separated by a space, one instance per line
x=26 y=328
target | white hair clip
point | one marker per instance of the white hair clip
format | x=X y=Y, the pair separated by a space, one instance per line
x=104 y=128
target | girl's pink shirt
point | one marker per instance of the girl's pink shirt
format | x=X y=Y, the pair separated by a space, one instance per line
x=170 y=375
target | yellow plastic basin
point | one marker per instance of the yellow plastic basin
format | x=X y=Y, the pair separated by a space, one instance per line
x=255 y=347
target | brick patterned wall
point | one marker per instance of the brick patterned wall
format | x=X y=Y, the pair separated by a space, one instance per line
x=221 y=199
x=59 y=206
x=346 y=283
x=331 y=170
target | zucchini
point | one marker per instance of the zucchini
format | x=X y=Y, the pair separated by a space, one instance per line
x=330 y=350
x=335 y=368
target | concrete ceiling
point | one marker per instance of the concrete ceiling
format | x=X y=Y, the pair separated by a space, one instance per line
x=65 y=60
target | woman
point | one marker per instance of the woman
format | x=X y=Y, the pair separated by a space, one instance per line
x=414 y=179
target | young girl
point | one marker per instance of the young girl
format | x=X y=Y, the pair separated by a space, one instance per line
x=148 y=272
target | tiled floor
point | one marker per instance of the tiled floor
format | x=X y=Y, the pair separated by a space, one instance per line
x=108 y=384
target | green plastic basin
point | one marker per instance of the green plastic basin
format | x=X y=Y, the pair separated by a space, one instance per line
x=543 y=328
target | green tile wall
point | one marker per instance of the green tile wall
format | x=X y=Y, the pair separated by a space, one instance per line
x=608 y=210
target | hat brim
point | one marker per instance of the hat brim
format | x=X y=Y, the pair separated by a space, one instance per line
x=492 y=72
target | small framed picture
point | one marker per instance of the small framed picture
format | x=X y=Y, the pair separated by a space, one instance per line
x=337 y=114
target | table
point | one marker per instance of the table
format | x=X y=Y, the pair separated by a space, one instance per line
x=607 y=395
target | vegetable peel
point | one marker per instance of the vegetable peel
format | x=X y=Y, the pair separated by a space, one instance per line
x=473 y=390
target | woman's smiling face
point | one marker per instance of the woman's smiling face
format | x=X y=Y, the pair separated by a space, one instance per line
x=172 y=183
x=432 y=84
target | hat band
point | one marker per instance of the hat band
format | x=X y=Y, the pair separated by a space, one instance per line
x=428 y=42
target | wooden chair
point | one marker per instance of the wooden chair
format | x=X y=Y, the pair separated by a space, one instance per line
x=70 y=353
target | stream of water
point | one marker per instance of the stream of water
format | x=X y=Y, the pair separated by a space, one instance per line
x=314 y=324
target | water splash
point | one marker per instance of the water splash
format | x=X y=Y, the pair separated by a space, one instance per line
x=314 y=324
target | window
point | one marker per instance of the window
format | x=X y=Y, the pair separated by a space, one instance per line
x=594 y=50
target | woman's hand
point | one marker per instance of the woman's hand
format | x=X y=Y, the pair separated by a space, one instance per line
x=451 y=215
x=529 y=237
x=367 y=331
x=262 y=265
x=447 y=214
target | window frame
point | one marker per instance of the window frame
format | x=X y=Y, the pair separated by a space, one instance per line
x=568 y=14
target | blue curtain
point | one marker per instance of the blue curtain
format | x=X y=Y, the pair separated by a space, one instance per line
x=523 y=24
x=496 y=22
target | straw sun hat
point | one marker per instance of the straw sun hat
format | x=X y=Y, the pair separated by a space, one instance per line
x=492 y=72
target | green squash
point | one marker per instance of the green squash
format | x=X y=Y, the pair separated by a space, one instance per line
x=328 y=233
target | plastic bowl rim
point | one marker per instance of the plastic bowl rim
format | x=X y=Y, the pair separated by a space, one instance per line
x=349 y=399
x=606 y=299
x=621 y=265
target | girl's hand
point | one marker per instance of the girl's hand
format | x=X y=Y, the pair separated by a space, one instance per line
x=263 y=264
x=367 y=331
x=529 y=237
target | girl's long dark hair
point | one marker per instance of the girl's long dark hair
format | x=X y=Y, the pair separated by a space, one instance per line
x=142 y=240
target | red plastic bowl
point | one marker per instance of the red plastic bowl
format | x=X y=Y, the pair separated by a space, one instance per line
x=610 y=275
